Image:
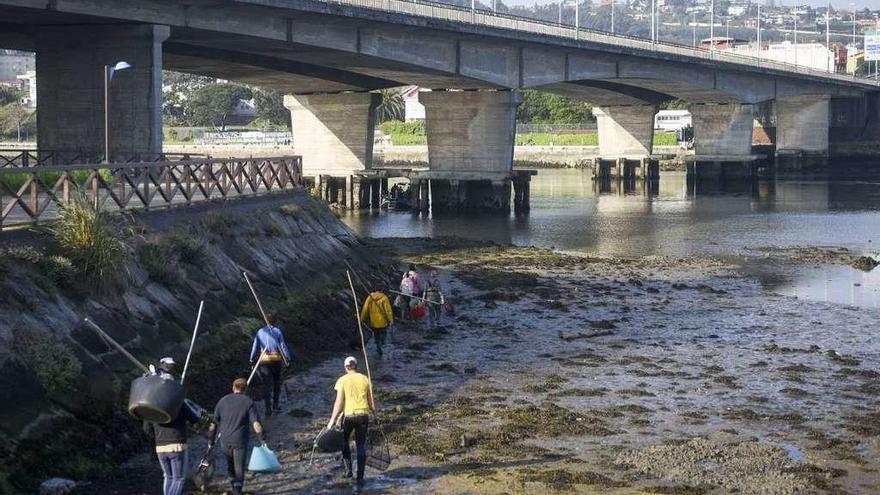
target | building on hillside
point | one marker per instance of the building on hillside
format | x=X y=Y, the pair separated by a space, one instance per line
x=721 y=43
x=813 y=55
x=13 y=63
x=28 y=82
x=413 y=110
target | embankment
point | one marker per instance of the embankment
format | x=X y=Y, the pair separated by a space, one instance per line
x=64 y=389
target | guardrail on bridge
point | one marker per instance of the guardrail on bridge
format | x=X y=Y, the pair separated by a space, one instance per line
x=33 y=194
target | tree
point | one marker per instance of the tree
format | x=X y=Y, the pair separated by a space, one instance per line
x=215 y=103
x=392 y=106
x=17 y=120
x=177 y=90
x=9 y=95
x=270 y=107
x=539 y=107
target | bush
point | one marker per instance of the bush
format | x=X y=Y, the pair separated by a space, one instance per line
x=153 y=259
x=54 y=364
x=86 y=236
x=59 y=270
x=185 y=248
x=25 y=253
x=393 y=127
x=219 y=222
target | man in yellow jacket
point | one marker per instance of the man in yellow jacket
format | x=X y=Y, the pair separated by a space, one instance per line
x=378 y=315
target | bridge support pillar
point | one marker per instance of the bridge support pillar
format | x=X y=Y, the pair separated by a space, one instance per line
x=625 y=132
x=802 y=128
x=722 y=141
x=70 y=64
x=333 y=133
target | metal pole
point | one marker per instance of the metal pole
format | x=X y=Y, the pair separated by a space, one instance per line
x=828 y=33
x=106 y=114
x=695 y=29
x=193 y=343
x=795 y=37
x=854 y=24
x=712 y=24
x=118 y=346
x=494 y=6
x=612 y=19
x=577 y=19
x=653 y=24
x=759 y=30
x=727 y=35
x=560 y=11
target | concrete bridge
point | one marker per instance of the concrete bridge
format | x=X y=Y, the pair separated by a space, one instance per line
x=328 y=56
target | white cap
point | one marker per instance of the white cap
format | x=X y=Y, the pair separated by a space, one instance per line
x=166 y=360
x=350 y=362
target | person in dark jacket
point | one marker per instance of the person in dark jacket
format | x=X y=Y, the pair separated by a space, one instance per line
x=271 y=354
x=234 y=416
x=171 y=438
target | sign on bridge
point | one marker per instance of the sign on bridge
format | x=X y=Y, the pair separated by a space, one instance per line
x=872 y=44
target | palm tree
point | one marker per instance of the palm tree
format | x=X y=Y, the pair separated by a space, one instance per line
x=391 y=107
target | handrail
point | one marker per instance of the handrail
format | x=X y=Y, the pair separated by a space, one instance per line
x=485 y=17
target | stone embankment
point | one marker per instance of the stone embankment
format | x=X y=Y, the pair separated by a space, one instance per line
x=64 y=389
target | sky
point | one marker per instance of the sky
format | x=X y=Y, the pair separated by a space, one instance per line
x=837 y=4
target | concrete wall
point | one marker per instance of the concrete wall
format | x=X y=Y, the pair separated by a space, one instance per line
x=470 y=131
x=722 y=132
x=70 y=84
x=802 y=124
x=333 y=133
x=626 y=131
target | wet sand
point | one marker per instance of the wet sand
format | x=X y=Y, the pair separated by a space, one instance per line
x=568 y=374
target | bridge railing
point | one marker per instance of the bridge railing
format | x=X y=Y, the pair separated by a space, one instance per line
x=33 y=194
x=438 y=10
x=21 y=157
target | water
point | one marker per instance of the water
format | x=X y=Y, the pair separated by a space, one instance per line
x=571 y=213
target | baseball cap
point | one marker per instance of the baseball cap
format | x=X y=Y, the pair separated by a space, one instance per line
x=166 y=360
x=351 y=361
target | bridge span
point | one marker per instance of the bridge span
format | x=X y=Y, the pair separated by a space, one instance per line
x=328 y=56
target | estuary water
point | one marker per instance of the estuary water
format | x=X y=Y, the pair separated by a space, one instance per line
x=571 y=212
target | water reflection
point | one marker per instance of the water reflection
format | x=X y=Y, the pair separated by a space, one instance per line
x=667 y=217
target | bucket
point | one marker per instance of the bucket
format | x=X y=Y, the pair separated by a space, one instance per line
x=330 y=440
x=155 y=399
x=263 y=460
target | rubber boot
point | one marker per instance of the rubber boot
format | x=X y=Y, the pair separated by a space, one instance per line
x=347 y=464
x=362 y=462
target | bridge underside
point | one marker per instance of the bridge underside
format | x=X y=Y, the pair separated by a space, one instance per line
x=305 y=47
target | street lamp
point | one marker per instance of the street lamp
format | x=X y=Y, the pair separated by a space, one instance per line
x=108 y=76
x=712 y=24
x=828 y=33
x=695 y=28
x=612 y=20
x=759 y=30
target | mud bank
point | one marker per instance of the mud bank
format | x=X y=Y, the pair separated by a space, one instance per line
x=64 y=390
x=567 y=374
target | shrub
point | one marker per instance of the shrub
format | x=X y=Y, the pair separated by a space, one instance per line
x=393 y=127
x=25 y=253
x=154 y=260
x=86 y=236
x=184 y=247
x=219 y=222
x=290 y=210
x=59 y=270
x=54 y=364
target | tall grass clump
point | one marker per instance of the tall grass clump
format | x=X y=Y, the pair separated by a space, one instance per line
x=85 y=234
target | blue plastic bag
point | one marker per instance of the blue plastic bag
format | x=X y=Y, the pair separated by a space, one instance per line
x=263 y=460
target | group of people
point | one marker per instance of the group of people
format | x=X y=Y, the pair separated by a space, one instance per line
x=416 y=298
x=236 y=414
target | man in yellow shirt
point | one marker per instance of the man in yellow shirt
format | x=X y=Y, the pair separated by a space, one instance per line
x=354 y=398
x=377 y=313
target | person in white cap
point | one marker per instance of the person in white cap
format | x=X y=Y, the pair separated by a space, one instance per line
x=166 y=367
x=354 y=399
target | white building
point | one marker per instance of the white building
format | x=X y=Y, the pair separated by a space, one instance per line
x=28 y=82
x=672 y=120
x=413 y=110
x=14 y=63
x=813 y=55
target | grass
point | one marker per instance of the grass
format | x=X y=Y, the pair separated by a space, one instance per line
x=87 y=237
x=14 y=181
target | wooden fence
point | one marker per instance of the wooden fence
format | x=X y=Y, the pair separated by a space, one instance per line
x=40 y=158
x=33 y=194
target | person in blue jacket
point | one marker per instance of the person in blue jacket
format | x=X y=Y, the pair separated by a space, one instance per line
x=270 y=353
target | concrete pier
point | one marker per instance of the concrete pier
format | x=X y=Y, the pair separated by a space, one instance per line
x=625 y=131
x=802 y=129
x=333 y=133
x=722 y=142
x=70 y=64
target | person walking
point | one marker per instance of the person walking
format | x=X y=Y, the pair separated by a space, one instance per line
x=435 y=298
x=271 y=354
x=170 y=439
x=234 y=416
x=354 y=399
x=378 y=315
x=406 y=293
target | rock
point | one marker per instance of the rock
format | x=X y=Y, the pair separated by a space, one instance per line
x=864 y=263
x=56 y=486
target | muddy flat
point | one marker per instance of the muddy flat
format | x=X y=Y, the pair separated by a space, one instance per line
x=568 y=374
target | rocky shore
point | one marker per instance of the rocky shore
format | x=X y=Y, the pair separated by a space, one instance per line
x=569 y=374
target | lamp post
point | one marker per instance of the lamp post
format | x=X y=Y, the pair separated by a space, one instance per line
x=612 y=20
x=759 y=30
x=695 y=29
x=828 y=33
x=108 y=75
x=727 y=34
x=712 y=24
x=653 y=24
x=854 y=24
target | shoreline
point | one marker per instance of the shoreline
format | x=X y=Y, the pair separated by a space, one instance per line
x=564 y=374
